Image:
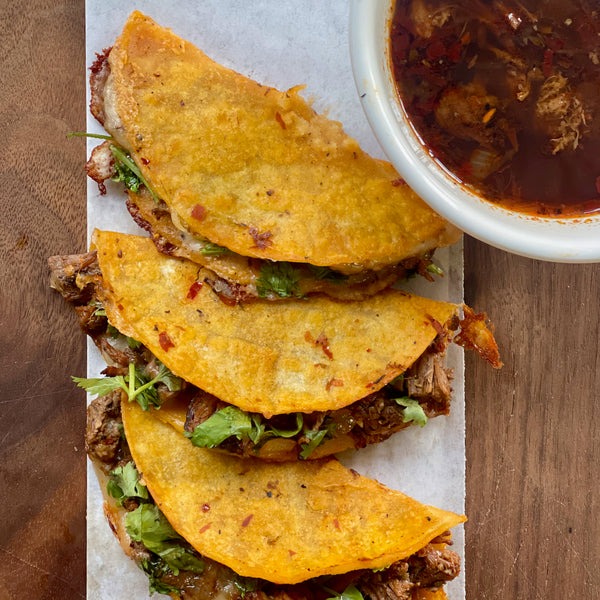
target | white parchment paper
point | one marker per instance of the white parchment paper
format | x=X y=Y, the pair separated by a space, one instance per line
x=280 y=44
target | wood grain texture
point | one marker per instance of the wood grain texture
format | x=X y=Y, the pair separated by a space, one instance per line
x=532 y=429
x=533 y=439
x=42 y=190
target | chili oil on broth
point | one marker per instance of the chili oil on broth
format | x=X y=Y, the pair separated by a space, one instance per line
x=506 y=97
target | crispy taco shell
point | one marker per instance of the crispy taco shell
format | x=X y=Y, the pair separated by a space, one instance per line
x=270 y=358
x=254 y=169
x=282 y=522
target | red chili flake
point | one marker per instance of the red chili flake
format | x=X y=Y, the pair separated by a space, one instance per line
x=120 y=253
x=309 y=338
x=334 y=383
x=205 y=528
x=205 y=508
x=194 y=289
x=368 y=349
x=280 y=120
x=336 y=523
x=198 y=212
x=261 y=240
x=435 y=50
x=291 y=552
x=398 y=182
x=598 y=184
x=165 y=341
x=145 y=161
x=324 y=343
x=120 y=306
x=247 y=520
x=547 y=64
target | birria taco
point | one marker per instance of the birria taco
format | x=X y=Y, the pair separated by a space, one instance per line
x=250 y=181
x=277 y=380
x=204 y=525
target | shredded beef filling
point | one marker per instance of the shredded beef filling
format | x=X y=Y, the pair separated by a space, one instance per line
x=64 y=271
x=103 y=441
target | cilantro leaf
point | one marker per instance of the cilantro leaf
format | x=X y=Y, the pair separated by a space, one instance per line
x=112 y=331
x=101 y=386
x=128 y=172
x=280 y=278
x=257 y=431
x=125 y=483
x=327 y=274
x=130 y=180
x=315 y=437
x=165 y=376
x=137 y=385
x=148 y=525
x=413 y=411
x=181 y=558
x=133 y=343
x=211 y=249
x=227 y=422
x=245 y=584
x=232 y=421
x=350 y=593
x=398 y=380
x=156 y=568
x=147 y=394
x=288 y=433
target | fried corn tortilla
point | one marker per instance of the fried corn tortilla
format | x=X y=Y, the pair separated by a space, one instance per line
x=270 y=358
x=282 y=522
x=252 y=168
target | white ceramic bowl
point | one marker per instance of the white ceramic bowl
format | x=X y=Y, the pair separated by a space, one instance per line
x=560 y=240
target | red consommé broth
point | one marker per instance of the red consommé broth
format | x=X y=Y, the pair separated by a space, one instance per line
x=506 y=96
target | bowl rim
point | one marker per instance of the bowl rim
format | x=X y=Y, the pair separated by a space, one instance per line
x=571 y=240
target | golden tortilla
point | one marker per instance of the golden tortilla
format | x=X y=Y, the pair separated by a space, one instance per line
x=255 y=169
x=281 y=522
x=266 y=357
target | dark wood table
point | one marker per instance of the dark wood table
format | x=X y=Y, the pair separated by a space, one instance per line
x=533 y=439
